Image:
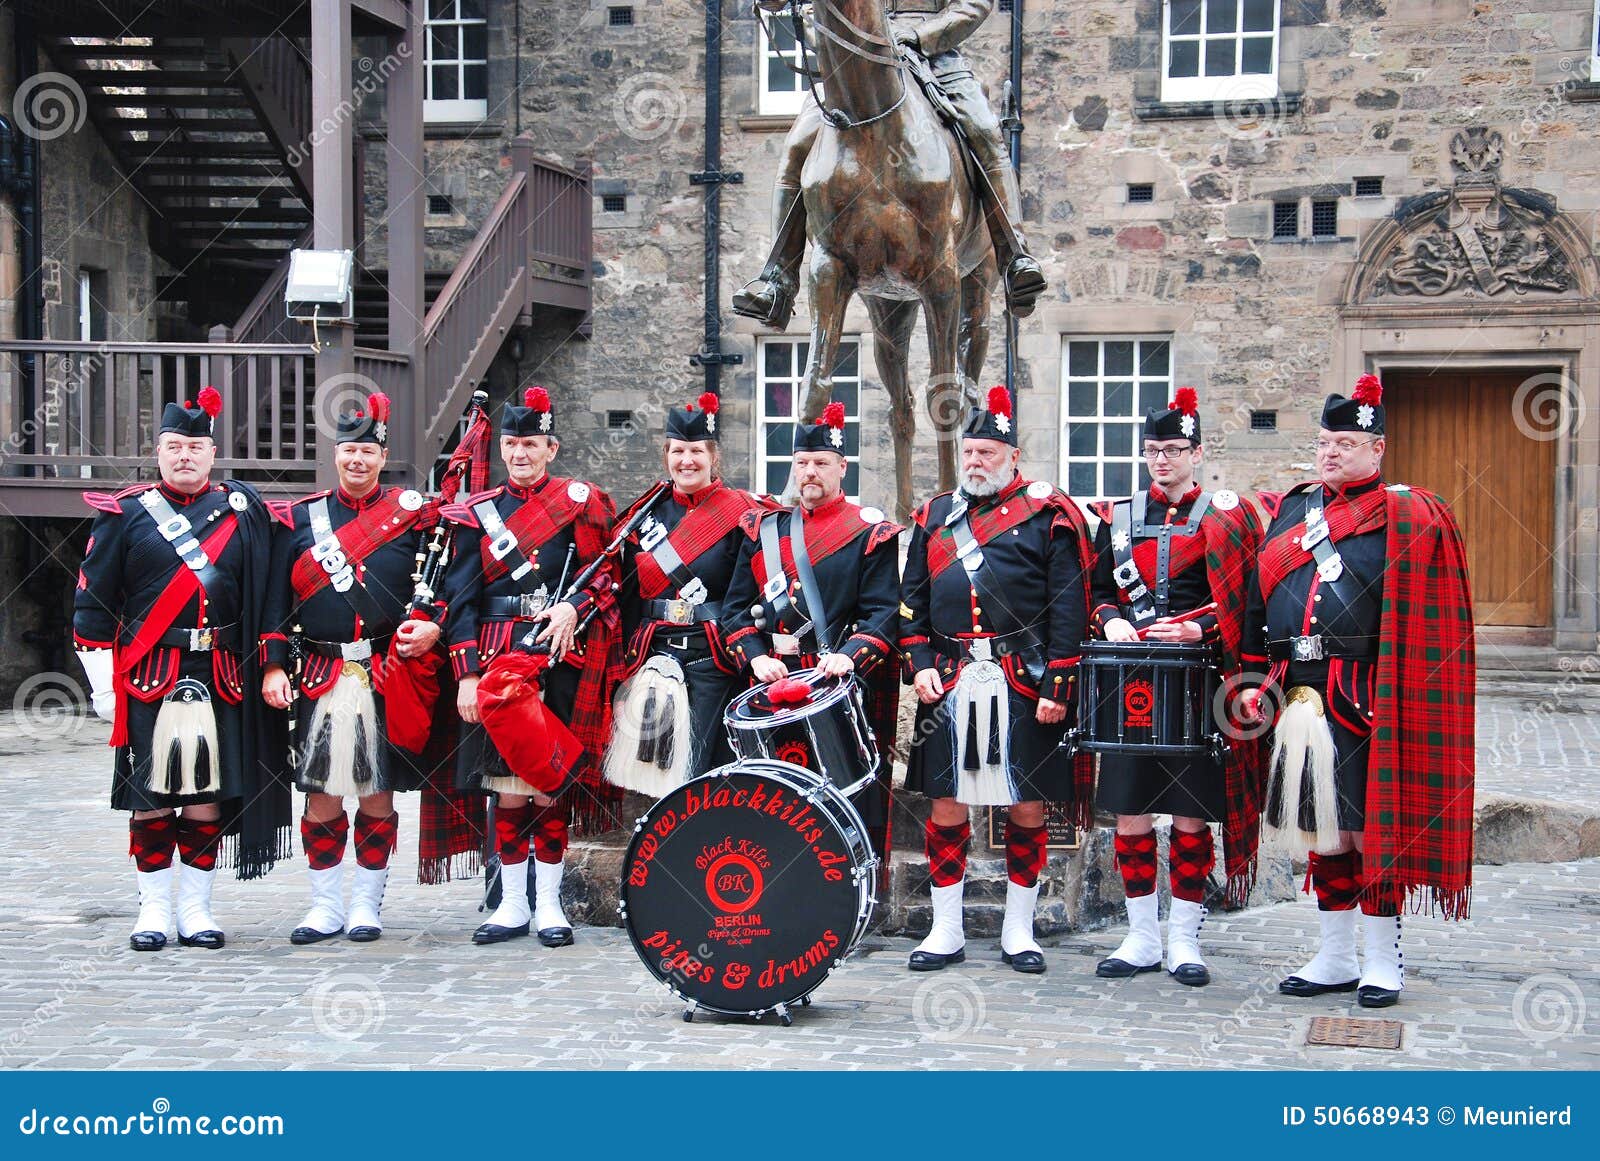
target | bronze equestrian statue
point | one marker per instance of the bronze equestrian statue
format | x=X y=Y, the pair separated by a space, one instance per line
x=898 y=208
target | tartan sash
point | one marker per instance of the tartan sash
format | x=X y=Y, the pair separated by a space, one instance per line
x=373 y=527
x=992 y=522
x=1283 y=554
x=538 y=520
x=704 y=524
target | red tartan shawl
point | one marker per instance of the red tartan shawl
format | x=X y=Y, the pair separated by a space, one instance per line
x=837 y=528
x=1232 y=539
x=545 y=513
x=995 y=519
x=702 y=526
x=374 y=526
x=1420 y=772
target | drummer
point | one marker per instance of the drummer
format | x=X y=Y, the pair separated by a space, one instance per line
x=676 y=566
x=836 y=614
x=995 y=606
x=1169 y=569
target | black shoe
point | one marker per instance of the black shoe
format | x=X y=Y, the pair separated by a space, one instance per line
x=1024 y=282
x=1194 y=975
x=211 y=940
x=147 y=940
x=555 y=936
x=301 y=936
x=363 y=934
x=1121 y=969
x=765 y=301
x=1372 y=996
x=1027 y=962
x=1295 y=986
x=932 y=961
x=494 y=933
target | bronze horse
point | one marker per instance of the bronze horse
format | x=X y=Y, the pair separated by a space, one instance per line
x=891 y=215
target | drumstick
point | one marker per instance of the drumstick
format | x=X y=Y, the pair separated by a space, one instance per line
x=1192 y=615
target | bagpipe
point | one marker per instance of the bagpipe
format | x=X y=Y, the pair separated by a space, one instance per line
x=412 y=684
x=536 y=745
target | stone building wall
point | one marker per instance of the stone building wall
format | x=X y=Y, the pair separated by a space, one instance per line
x=1379 y=87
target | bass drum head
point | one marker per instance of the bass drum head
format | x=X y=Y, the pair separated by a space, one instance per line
x=741 y=893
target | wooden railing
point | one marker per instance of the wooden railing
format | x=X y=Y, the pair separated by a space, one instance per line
x=97 y=406
x=534 y=247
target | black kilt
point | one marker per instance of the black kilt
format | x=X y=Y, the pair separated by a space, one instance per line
x=130 y=778
x=1041 y=769
x=1189 y=787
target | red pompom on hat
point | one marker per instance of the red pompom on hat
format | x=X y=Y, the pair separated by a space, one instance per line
x=833 y=414
x=709 y=403
x=211 y=401
x=999 y=401
x=379 y=404
x=1185 y=400
x=537 y=398
x=1368 y=390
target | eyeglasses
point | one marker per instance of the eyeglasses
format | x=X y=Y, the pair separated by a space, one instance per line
x=1166 y=453
x=1343 y=446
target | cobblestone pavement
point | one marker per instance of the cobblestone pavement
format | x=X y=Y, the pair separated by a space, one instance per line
x=1514 y=987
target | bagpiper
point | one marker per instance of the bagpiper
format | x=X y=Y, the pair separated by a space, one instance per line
x=339 y=590
x=1171 y=566
x=994 y=607
x=1361 y=615
x=677 y=564
x=166 y=613
x=818 y=587
x=517 y=549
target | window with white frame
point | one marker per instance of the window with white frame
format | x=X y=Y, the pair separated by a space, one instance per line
x=1106 y=387
x=456 y=60
x=780 y=89
x=1594 y=45
x=1219 y=50
x=780 y=382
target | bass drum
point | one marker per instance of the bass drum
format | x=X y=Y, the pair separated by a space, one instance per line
x=743 y=888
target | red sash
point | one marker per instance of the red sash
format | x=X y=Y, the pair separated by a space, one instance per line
x=184 y=584
x=539 y=519
x=373 y=527
x=987 y=525
x=704 y=524
x=1282 y=555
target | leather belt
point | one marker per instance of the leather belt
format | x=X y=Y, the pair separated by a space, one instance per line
x=199 y=640
x=678 y=611
x=361 y=650
x=989 y=646
x=1321 y=646
x=524 y=606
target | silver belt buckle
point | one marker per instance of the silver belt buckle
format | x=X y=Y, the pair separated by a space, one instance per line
x=679 y=612
x=980 y=649
x=201 y=640
x=1315 y=535
x=356 y=650
x=1126 y=574
x=786 y=644
x=532 y=604
x=1307 y=648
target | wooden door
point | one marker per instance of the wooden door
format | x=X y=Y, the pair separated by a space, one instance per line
x=1454 y=433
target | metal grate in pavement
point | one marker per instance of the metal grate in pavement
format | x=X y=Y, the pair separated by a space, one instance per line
x=1347 y=1032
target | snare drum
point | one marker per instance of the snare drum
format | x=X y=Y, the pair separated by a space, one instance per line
x=1152 y=698
x=743 y=888
x=828 y=733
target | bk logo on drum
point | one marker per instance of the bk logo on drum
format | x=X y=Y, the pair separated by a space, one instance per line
x=734 y=883
x=1138 y=699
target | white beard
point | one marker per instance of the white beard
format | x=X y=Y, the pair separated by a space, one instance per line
x=980 y=483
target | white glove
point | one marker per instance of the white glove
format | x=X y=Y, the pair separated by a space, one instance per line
x=97 y=667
